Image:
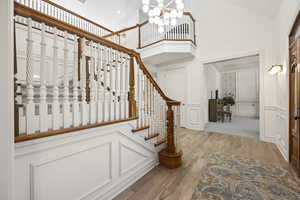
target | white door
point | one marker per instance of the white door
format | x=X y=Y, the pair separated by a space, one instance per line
x=173 y=83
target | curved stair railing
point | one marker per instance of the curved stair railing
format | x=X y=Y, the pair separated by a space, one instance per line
x=68 y=78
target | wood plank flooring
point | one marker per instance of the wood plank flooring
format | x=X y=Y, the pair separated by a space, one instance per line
x=179 y=184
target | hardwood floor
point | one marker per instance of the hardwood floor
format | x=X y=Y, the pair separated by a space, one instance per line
x=179 y=184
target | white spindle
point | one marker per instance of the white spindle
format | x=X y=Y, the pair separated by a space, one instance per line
x=43 y=89
x=76 y=117
x=117 y=86
x=106 y=79
x=29 y=81
x=100 y=78
x=66 y=103
x=55 y=105
x=84 y=115
x=92 y=84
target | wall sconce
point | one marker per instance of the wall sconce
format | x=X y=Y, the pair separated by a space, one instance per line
x=275 y=69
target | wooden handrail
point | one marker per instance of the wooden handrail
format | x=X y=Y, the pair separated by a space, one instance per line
x=122 y=31
x=77 y=15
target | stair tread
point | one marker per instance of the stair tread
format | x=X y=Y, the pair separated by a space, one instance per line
x=140 y=129
x=160 y=142
x=151 y=136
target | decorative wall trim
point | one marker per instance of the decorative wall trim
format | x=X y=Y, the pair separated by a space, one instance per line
x=125 y=158
x=277 y=125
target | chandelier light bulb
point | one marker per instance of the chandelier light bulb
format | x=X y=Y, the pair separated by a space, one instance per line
x=151 y=13
x=180 y=6
x=173 y=13
x=146 y=8
x=179 y=14
x=161 y=5
x=167 y=15
x=156 y=11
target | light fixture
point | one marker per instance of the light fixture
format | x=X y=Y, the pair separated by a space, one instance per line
x=275 y=69
x=163 y=14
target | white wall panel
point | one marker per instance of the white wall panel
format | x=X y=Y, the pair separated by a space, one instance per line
x=92 y=164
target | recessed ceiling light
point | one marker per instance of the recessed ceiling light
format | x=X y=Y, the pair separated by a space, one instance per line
x=118 y=12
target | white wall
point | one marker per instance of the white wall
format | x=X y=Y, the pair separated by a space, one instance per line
x=283 y=25
x=225 y=31
x=6 y=101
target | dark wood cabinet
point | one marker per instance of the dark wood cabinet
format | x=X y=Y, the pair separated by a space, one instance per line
x=212 y=110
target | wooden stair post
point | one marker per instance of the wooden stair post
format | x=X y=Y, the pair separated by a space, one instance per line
x=131 y=95
x=169 y=157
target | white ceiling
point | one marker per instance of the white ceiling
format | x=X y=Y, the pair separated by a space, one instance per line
x=113 y=14
x=236 y=64
x=267 y=8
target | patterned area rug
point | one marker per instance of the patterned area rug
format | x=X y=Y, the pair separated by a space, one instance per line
x=229 y=177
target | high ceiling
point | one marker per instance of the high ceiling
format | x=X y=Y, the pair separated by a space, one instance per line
x=117 y=14
x=113 y=14
x=267 y=8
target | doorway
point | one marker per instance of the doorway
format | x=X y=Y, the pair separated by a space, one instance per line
x=173 y=82
x=232 y=96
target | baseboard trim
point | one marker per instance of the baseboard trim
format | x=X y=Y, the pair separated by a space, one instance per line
x=127 y=182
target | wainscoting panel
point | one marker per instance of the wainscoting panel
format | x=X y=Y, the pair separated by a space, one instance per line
x=276 y=128
x=91 y=164
x=195 y=118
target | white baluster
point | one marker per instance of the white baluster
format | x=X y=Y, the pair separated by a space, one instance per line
x=76 y=116
x=55 y=105
x=117 y=86
x=126 y=87
x=66 y=103
x=84 y=115
x=111 y=84
x=100 y=78
x=122 y=87
x=29 y=81
x=92 y=84
x=43 y=89
x=106 y=79
x=139 y=96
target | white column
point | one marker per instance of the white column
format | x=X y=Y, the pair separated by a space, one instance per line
x=76 y=114
x=43 y=89
x=29 y=81
x=66 y=103
x=84 y=116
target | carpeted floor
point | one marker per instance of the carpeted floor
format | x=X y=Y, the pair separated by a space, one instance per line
x=242 y=126
x=229 y=177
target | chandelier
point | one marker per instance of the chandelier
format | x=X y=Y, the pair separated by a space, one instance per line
x=163 y=14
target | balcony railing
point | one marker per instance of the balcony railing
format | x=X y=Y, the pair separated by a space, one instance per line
x=184 y=30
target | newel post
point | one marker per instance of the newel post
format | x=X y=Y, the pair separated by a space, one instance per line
x=131 y=95
x=170 y=157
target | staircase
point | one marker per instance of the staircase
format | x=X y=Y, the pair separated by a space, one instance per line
x=73 y=85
